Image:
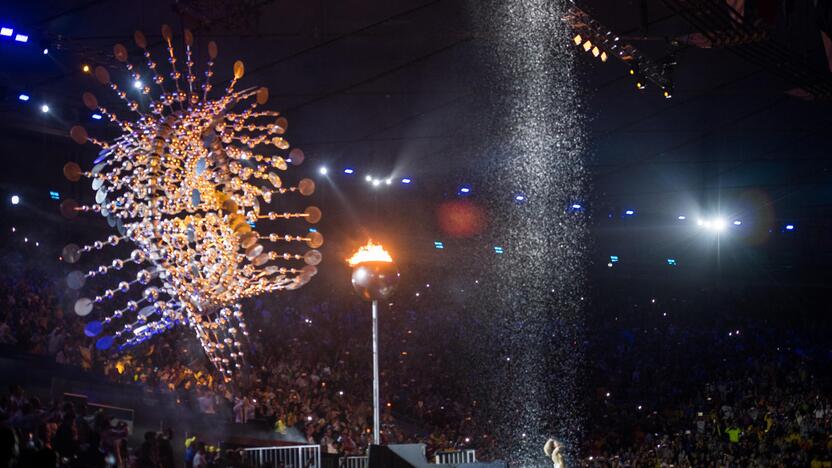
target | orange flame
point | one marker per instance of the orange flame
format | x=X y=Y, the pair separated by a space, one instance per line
x=370 y=253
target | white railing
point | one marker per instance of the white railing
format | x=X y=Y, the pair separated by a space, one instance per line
x=355 y=462
x=456 y=457
x=295 y=456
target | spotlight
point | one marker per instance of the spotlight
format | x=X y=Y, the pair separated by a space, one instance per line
x=719 y=224
x=6 y=32
x=45 y=51
x=790 y=227
x=737 y=222
x=519 y=198
x=23 y=97
x=681 y=217
x=629 y=212
x=15 y=199
x=671 y=261
x=368 y=178
x=96 y=116
x=406 y=180
x=465 y=189
x=388 y=181
x=349 y=171
x=577 y=39
x=587 y=46
x=137 y=84
x=44 y=108
x=604 y=56
x=498 y=249
x=21 y=38
x=323 y=170
x=85 y=68
x=438 y=245
x=376 y=182
x=54 y=195
x=613 y=258
x=576 y=206
x=596 y=51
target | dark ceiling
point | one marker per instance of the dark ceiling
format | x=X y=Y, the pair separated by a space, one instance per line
x=391 y=88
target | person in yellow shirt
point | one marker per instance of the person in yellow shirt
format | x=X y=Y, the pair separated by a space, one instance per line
x=734 y=433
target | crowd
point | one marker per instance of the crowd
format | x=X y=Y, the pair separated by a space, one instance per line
x=710 y=382
x=723 y=380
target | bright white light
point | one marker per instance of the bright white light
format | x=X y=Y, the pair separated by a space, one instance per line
x=376 y=182
x=44 y=108
x=45 y=51
x=21 y=38
x=699 y=222
x=681 y=217
x=323 y=170
x=15 y=199
x=737 y=222
x=519 y=197
x=6 y=32
x=368 y=178
x=96 y=116
x=348 y=171
x=576 y=206
x=630 y=212
x=719 y=224
x=388 y=181
x=23 y=97
x=138 y=84
x=790 y=227
x=406 y=180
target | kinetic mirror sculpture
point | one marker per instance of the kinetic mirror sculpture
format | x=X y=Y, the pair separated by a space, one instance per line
x=185 y=184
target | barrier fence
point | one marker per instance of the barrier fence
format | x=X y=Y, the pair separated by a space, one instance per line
x=297 y=456
x=355 y=462
x=456 y=457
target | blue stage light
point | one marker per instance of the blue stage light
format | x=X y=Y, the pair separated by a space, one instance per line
x=613 y=258
x=576 y=206
x=4 y=31
x=681 y=217
x=630 y=212
x=671 y=261
x=15 y=199
x=406 y=180
x=21 y=38
x=44 y=108
x=519 y=197
x=790 y=227
x=349 y=170
x=464 y=189
x=438 y=245
x=498 y=249
x=23 y=97
x=45 y=51
x=96 y=116
x=313 y=230
x=54 y=195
